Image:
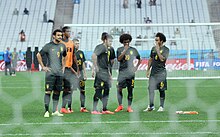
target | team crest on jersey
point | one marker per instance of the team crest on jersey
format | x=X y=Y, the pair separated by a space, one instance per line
x=61 y=48
x=81 y=56
x=131 y=52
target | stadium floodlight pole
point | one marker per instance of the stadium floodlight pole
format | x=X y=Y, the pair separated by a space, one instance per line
x=142 y=25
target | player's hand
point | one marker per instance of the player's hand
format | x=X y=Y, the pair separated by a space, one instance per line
x=126 y=48
x=148 y=73
x=46 y=69
x=157 y=47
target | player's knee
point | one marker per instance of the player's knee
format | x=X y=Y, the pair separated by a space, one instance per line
x=98 y=94
x=56 y=96
x=48 y=92
x=119 y=90
x=65 y=93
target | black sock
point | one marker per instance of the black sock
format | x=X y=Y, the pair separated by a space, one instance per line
x=130 y=95
x=105 y=99
x=64 y=98
x=69 y=102
x=55 y=101
x=97 y=96
x=120 y=96
x=162 y=98
x=82 y=98
x=46 y=101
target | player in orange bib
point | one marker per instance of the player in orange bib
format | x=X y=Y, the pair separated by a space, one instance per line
x=69 y=71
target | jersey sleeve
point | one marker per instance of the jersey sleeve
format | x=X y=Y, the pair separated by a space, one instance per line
x=64 y=50
x=44 y=50
x=99 y=49
x=137 y=54
x=119 y=50
x=151 y=52
x=112 y=55
x=166 y=53
x=83 y=58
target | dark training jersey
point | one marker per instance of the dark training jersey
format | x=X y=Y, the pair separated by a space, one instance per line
x=102 y=62
x=102 y=56
x=111 y=54
x=80 y=57
x=158 y=67
x=54 y=54
x=126 y=66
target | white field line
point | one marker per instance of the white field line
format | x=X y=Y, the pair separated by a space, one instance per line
x=109 y=122
x=112 y=133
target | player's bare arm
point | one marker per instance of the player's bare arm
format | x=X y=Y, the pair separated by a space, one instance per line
x=94 y=67
x=63 y=63
x=77 y=67
x=84 y=70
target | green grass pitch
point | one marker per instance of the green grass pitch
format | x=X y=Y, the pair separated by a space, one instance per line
x=22 y=109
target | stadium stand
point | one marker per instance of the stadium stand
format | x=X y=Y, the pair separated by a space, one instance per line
x=166 y=11
x=37 y=32
x=107 y=12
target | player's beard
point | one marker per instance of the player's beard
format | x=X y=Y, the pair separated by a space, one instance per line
x=58 y=40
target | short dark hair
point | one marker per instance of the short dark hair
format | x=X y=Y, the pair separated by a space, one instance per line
x=105 y=36
x=65 y=28
x=124 y=37
x=161 y=36
x=55 y=31
x=75 y=39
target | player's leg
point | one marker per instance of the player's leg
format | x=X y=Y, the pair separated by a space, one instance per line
x=98 y=95
x=9 y=67
x=162 y=99
x=105 y=99
x=66 y=89
x=120 y=86
x=130 y=87
x=162 y=87
x=151 y=88
x=82 y=96
x=56 y=94
x=14 y=65
x=73 y=87
x=6 y=68
x=69 y=101
x=49 y=82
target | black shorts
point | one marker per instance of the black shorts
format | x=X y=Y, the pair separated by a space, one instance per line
x=68 y=80
x=53 y=83
x=123 y=83
x=158 y=82
x=100 y=84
